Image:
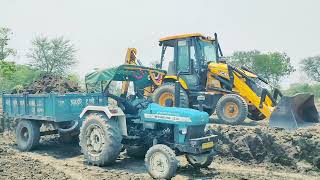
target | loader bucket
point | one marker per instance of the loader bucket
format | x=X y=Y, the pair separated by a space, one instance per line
x=295 y=112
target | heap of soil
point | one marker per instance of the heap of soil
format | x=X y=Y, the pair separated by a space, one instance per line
x=49 y=84
x=263 y=144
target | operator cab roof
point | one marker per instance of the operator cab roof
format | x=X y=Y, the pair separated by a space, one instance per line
x=169 y=39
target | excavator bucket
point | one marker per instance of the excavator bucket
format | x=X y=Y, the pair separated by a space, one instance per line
x=295 y=112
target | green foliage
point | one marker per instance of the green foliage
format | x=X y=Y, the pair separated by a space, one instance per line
x=4 y=38
x=13 y=76
x=271 y=66
x=311 y=66
x=52 y=56
x=303 y=88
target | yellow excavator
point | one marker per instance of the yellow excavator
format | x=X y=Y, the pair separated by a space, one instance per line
x=196 y=63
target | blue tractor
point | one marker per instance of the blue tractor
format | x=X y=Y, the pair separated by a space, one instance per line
x=145 y=129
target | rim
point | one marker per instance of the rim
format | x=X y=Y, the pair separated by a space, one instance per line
x=24 y=134
x=94 y=139
x=231 y=110
x=159 y=164
x=166 y=99
x=200 y=159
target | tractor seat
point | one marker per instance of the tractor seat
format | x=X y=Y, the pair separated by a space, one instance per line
x=128 y=107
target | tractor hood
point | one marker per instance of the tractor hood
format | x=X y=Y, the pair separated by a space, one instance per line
x=174 y=115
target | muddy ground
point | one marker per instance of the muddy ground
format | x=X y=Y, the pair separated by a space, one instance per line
x=244 y=152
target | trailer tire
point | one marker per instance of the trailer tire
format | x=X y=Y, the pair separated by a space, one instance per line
x=161 y=155
x=100 y=139
x=137 y=152
x=164 y=95
x=232 y=109
x=27 y=134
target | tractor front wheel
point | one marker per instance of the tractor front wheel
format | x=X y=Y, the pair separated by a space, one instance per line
x=161 y=162
x=164 y=95
x=232 y=109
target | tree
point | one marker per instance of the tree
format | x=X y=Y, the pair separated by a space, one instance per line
x=271 y=66
x=311 y=66
x=52 y=56
x=4 y=38
x=13 y=75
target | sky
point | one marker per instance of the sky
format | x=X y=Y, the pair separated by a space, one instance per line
x=102 y=30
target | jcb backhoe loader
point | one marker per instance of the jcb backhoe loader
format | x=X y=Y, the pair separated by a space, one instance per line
x=195 y=61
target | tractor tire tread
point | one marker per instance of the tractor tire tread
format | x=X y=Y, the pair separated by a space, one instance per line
x=170 y=155
x=112 y=142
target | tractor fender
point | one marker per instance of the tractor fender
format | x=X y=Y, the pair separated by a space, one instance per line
x=109 y=111
x=174 y=78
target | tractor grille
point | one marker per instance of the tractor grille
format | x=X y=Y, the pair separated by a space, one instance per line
x=195 y=132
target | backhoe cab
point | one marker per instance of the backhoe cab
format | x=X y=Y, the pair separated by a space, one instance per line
x=196 y=62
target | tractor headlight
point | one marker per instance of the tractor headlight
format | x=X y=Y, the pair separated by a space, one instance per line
x=183 y=131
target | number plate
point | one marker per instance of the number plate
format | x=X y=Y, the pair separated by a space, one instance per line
x=207 y=145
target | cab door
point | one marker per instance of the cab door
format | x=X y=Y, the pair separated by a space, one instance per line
x=187 y=63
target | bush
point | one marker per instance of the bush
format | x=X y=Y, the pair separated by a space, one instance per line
x=303 y=88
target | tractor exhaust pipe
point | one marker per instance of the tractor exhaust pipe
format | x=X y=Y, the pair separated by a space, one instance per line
x=295 y=112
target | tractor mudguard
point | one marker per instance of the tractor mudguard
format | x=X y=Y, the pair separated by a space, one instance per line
x=295 y=112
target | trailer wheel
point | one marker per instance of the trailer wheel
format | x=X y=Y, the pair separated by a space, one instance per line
x=232 y=109
x=199 y=161
x=100 y=139
x=164 y=95
x=27 y=134
x=138 y=152
x=161 y=162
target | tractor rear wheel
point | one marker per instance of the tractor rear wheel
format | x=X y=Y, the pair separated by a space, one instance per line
x=232 y=109
x=164 y=95
x=100 y=139
x=27 y=134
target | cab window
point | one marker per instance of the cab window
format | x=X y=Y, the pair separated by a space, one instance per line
x=183 y=64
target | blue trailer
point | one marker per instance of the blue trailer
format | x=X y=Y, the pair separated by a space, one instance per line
x=60 y=110
x=52 y=107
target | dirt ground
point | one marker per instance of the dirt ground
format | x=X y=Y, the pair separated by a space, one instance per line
x=237 y=158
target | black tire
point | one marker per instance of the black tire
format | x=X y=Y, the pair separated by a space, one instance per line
x=232 y=109
x=255 y=115
x=170 y=158
x=100 y=139
x=27 y=134
x=169 y=88
x=138 y=152
x=201 y=161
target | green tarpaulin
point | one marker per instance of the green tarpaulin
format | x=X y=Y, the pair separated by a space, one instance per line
x=140 y=75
